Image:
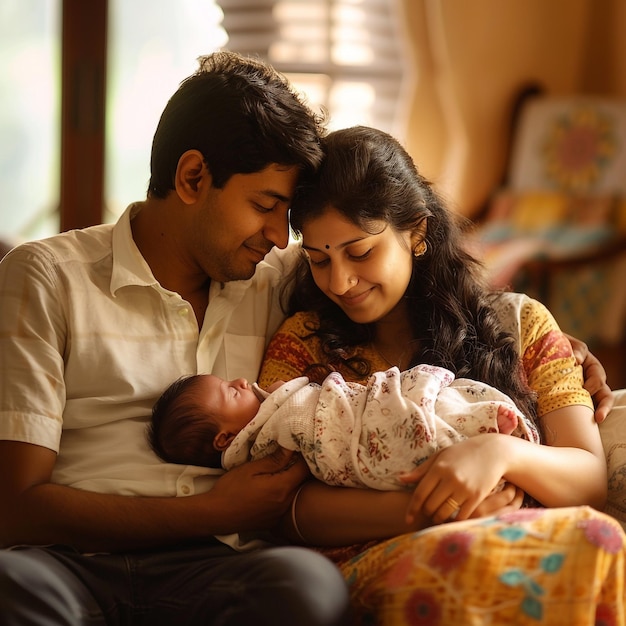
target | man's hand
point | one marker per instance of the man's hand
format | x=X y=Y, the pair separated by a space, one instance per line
x=594 y=378
x=256 y=494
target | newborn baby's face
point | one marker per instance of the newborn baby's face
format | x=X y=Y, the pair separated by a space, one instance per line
x=234 y=401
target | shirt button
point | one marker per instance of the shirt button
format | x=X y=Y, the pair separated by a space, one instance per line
x=183 y=312
x=185 y=490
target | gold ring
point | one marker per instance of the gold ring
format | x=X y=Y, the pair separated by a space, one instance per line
x=454 y=505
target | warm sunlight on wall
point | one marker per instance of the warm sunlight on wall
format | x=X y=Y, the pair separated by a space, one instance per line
x=29 y=118
x=153 y=45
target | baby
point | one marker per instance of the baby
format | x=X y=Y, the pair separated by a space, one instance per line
x=349 y=434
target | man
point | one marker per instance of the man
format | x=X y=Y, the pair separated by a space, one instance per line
x=94 y=324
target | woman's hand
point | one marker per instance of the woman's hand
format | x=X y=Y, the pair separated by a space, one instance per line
x=595 y=378
x=453 y=483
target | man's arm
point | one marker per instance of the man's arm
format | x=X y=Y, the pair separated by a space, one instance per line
x=36 y=511
x=595 y=378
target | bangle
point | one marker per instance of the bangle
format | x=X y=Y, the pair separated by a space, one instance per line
x=294 y=522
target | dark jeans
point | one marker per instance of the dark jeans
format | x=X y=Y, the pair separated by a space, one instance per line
x=190 y=586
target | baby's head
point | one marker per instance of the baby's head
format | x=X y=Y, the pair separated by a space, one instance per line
x=197 y=417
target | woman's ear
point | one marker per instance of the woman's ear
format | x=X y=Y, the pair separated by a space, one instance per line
x=190 y=173
x=222 y=440
x=418 y=238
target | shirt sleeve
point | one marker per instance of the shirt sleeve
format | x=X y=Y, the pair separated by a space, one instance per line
x=32 y=340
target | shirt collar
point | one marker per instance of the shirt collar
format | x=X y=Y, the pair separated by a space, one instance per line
x=129 y=267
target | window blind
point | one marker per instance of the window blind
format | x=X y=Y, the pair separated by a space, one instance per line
x=344 y=55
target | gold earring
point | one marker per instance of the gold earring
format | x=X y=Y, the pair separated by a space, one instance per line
x=420 y=249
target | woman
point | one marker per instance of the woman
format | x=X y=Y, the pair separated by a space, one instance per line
x=385 y=281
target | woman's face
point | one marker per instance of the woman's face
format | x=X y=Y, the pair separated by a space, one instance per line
x=365 y=274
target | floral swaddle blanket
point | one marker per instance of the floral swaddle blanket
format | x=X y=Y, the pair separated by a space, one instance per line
x=366 y=435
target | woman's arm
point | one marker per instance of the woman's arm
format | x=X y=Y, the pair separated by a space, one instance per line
x=338 y=516
x=569 y=471
x=571 y=467
x=322 y=515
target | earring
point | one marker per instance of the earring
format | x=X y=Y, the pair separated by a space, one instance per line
x=420 y=249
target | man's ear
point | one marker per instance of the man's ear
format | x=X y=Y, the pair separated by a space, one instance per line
x=222 y=440
x=190 y=173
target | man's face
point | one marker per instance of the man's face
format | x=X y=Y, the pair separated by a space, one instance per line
x=235 y=227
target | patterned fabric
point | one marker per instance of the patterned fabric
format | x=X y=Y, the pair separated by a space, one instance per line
x=524 y=230
x=356 y=435
x=613 y=433
x=553 y=567
x=579 y=146
x=570 y=144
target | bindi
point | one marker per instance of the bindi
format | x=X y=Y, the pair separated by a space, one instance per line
x=327 y=247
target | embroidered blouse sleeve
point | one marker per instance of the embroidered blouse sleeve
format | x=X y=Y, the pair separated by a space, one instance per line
x=548 y=360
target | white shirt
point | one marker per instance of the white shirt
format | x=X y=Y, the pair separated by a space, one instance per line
x=89 y=340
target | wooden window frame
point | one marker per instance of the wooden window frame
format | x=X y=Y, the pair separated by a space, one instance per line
x=83 y=94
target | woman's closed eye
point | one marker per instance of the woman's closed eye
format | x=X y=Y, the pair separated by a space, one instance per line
x=320 y=263
x=323 y=261
x=360 y=257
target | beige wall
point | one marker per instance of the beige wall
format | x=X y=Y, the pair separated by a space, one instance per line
x=473 y=58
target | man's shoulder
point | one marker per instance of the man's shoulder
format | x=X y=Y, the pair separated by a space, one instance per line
x=84 y=244
x=89 y=245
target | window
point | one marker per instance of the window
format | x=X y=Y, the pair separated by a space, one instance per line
x=345 y=55
x=29 y=118
x=153 y=45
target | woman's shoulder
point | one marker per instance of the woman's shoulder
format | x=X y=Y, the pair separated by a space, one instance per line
x=514 y=305
x=292 y=349
x=546 y=354
x=522 y=315
x=302 y=321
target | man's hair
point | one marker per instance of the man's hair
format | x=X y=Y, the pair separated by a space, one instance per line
x=181 y=431
x=242 y=115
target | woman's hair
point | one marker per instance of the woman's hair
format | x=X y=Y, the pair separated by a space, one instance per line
x=241 y=115
x=181 y=431
x=368 y=176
